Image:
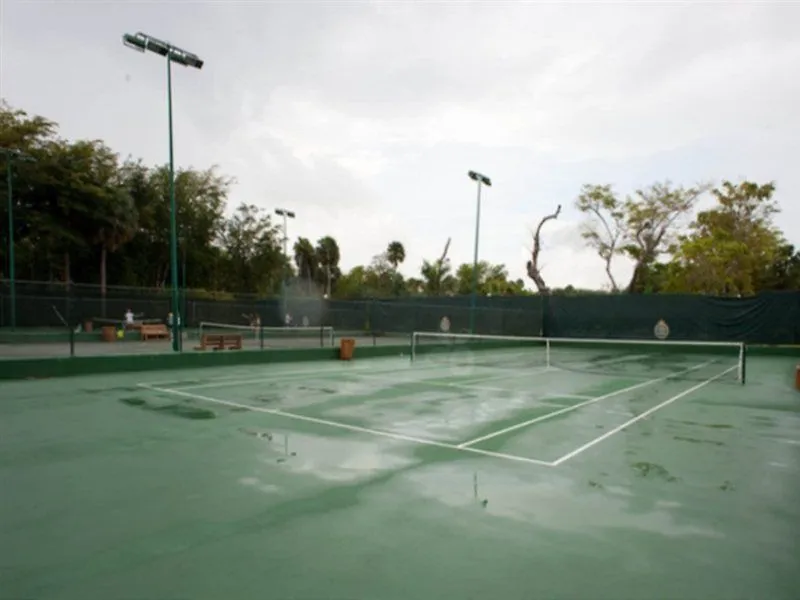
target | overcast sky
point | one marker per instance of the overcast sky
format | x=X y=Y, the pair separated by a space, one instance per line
x=364 y=117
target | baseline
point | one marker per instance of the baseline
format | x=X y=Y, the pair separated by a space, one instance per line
x=641 y=416
x=567 y=409
x=354 y=428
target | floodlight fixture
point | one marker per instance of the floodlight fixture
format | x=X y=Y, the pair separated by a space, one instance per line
x=475 y=176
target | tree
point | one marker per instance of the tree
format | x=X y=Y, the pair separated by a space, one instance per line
x=253 y=251
x=783 y=273
x=643 y=226
x=604 y=230
x=414 y=286
x=492 y=280
x=395 y=254
x=652 y=217
x=436 y=274
x=328 y=255
x=380 y=276
x=116 y=224
x=353 y=284
x=200 y=198
x=728 y=246
x=305 y=257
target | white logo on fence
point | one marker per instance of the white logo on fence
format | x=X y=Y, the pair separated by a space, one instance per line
x=306 y=322
x=444 y=324
x=661 y=330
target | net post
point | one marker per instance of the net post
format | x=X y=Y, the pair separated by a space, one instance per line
x=72 y=342
x=321 y=336
x=413 y=346
x=547 y=352
x=69 y=319
x=261 y=336
x=743 y=363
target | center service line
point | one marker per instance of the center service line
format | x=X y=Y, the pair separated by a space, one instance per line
x=567 y=409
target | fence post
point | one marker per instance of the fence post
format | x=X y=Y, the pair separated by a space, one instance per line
x=545 y=326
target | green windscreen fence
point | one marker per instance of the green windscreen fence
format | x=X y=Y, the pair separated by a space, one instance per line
x=769 y=318
x=772 y=318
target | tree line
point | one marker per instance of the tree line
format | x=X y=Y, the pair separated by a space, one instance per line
x=83 y=214
x=733 y=248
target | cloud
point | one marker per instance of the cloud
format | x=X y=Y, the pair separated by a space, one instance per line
x=364 y=118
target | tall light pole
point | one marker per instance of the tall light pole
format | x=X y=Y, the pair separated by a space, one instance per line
x=286 y=214
x=12 y=155
x=482 y=180
x=142 y=43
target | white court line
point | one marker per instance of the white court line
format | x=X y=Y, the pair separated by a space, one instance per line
x=362 y=372
x=619 y=412
x=355 y=428
x=645 y=414
x=365 y=368
x=570 y=396
x=288 y=378
x=308 y=372
x=567 y=409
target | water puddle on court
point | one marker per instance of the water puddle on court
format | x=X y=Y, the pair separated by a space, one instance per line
x=339 y=459
x=549 y=499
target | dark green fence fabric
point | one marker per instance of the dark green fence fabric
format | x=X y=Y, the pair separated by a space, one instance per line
x=769 y=318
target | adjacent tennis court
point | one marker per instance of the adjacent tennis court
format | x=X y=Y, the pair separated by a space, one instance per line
x=522 y=470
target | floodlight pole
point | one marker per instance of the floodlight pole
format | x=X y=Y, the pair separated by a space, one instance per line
x=286 y=214
x=10 y=155
x=143 y=42
x=282 y=212
x=482 y=180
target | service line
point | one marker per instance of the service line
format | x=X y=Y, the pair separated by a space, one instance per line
x=567 y=409
x=644 y=415
x=354 y=428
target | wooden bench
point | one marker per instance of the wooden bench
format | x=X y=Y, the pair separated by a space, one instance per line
x=220 y=341
x=153 y=331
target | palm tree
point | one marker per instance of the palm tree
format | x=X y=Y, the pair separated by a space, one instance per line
x=327 y=254
x=395 y=254
x=437 y=277
x=305 y=257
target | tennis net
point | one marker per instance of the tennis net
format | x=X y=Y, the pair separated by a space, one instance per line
x=623 y=358
x=268 y=337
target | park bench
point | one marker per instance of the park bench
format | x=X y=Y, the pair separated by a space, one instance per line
x=220 y=341
x=153 y=331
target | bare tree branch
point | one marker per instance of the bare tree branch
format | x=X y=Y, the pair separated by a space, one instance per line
x=605 y=229
x=443 y=257
x=532 y=266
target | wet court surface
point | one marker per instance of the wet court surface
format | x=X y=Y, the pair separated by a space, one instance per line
x=386 y=480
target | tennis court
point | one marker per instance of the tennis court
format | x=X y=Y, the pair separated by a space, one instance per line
x=510 y=472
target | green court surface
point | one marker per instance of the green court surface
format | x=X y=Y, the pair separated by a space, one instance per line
x=383 y=479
